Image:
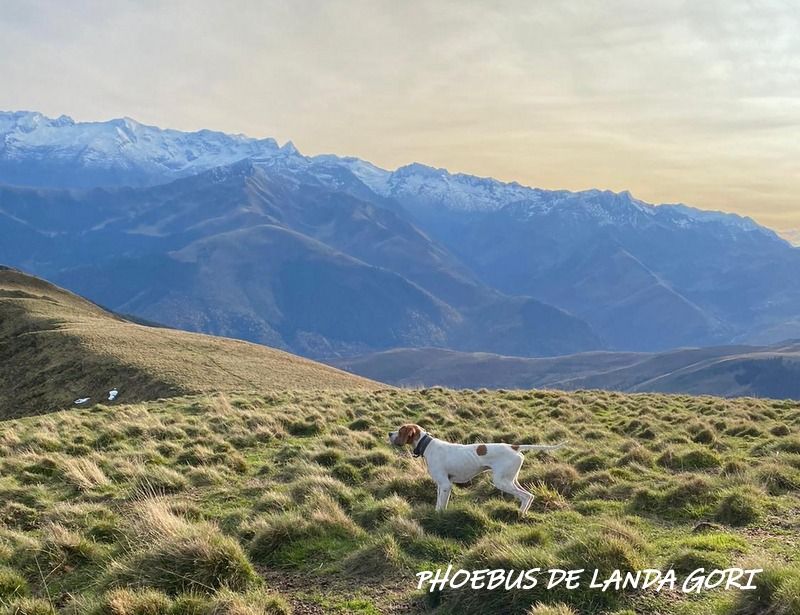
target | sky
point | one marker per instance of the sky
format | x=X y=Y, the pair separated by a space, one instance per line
x=693 y=102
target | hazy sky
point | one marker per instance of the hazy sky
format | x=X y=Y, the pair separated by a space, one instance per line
x=695 y=102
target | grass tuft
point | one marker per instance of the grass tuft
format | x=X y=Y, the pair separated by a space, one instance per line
x=688 y=459
x=174 y=555
x=27 y=606
x=552 y=609
x=12 y=584
x=134 y=602
x=292 y=539
x=371 y=513
x=778 y=593
x=740 y=506
x=462 y=522
x=381 y=556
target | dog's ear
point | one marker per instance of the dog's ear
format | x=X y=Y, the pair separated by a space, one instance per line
x=402 y=435
x=408 y=433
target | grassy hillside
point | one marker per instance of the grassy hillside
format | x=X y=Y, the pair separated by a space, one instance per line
x=728 y=371
x=56 y=347
x=251 y=504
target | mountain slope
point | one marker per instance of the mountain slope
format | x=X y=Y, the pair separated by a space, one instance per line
x=127 y=249
x=56 y=347
x=727 y=371
x=275 y=286
x=615 y=292
x=698 y=277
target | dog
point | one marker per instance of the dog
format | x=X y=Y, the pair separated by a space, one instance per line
x=459 y=463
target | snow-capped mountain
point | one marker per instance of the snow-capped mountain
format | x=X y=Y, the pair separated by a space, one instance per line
x=461 y=192
x=37 y=150
x=478 y=263
x=58 y=152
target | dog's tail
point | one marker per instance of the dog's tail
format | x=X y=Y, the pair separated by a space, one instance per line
x=537 y=447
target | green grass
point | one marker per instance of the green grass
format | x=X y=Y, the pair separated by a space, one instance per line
x=247 y=503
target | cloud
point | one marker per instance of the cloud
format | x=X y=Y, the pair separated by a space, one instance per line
x=693 y=102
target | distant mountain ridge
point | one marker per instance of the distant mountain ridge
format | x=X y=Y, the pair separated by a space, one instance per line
x=458 y=191
x=161 y=155
x=436 y=258
x=726 y=371
x=43 y=152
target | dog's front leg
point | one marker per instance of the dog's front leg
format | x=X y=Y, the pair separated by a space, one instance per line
x=443 y=495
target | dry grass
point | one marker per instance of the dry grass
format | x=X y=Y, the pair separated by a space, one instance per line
x=84 y=473
x=219 y=503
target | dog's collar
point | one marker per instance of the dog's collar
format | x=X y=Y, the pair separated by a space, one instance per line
x=423 y=443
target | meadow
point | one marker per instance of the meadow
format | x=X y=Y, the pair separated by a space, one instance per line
x=252 y=503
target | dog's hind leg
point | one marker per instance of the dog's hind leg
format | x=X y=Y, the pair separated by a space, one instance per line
x=529 y=497
x=510 y=487
x=527 y=503
x=505 y=479
x=443 y=494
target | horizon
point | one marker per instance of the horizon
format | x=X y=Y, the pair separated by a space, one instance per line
x=673 y=103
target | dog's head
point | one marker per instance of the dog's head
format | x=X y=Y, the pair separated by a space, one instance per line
x=405 y=435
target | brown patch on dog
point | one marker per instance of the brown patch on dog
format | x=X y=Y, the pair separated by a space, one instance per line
x=481 y=450
x=407 y=433
x=515 y=447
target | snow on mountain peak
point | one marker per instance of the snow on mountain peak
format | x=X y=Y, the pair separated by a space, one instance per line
x=146 y=154
x=690 y=215
x=456 y=190
x=123 y=151
x=27 y=121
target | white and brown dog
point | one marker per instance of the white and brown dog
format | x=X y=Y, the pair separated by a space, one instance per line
x=459 y=463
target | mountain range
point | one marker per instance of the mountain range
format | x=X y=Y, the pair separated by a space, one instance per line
x=726 y=371
x=333 y=257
